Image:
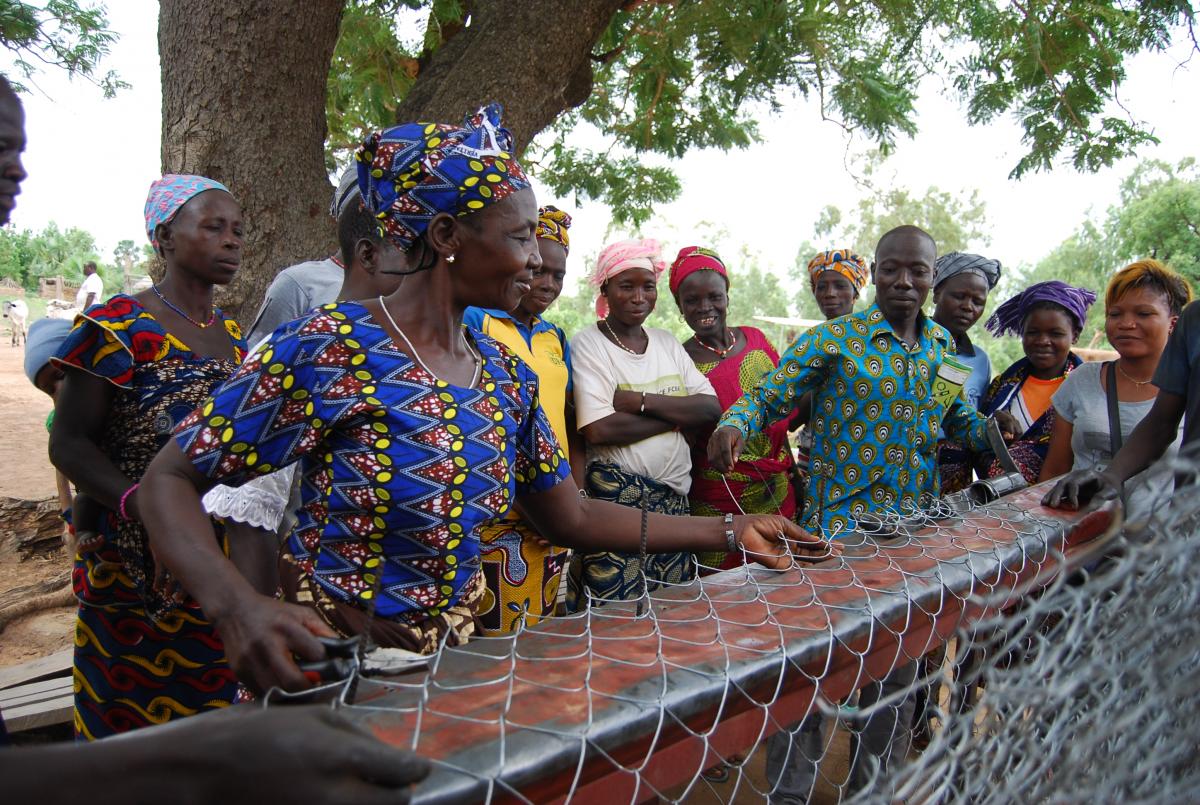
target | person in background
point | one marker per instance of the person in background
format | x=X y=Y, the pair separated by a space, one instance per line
x=1141 y=305
x=299 y=288
x=1178 y=381
x=636 y=389
x=837 y=278
x=961 y=284
x=733 y=359
x=522 y=570
x=134 y=367
x=92 y=289
x=1048 y=317
x=875 y=425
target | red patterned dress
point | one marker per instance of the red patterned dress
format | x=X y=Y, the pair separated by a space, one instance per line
x=140 y=660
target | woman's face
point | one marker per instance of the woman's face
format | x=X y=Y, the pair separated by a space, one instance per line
x=835 y=294
x=1138 y=323
x=206 y=237
x=1047 y=338
x=547 y=281
x=959 y=301
x=631 y=296
x=703 y=300
x=497 y=253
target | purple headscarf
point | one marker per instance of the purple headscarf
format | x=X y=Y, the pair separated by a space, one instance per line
x=1010 y=316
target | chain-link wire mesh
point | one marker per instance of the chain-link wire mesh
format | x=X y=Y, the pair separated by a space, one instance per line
x=1005 y=653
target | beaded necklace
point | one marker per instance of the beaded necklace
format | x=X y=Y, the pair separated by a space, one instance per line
x=620 y=343
x=168 y=303
x=720 y=352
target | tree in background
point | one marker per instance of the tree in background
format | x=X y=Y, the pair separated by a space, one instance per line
x=956 y=222
x=1159 y=215
x=58 y=33
x=26 y=257
x=653 y=79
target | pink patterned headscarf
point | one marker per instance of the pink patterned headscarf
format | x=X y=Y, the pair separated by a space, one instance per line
x=170 y=193
x=621 y=256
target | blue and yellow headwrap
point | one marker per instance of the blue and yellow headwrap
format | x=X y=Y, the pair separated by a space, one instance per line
x=411 y=172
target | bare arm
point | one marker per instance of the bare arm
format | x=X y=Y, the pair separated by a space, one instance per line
x=1149 y=440
x=621 y=428
x=82 y=408
x=576 y=450
x=692 y=411
x=236 y=755
x=1059 y=456
x=566 y=519
x=260 y=634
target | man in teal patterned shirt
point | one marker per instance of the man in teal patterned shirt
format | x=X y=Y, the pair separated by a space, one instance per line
x=881 y=387
x=875 y=410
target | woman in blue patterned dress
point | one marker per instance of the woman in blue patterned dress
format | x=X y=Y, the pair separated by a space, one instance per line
x=411 y=430
x=135 y=366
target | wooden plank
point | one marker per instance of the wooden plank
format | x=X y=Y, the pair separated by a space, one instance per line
x=37 y=692
x=55 y=664
x=58 y=710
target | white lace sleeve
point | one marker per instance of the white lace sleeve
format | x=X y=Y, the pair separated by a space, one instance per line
x=260 y=502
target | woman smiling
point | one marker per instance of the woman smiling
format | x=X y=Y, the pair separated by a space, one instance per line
x=1142 y=303
x=733 y=359
x=1048 y=316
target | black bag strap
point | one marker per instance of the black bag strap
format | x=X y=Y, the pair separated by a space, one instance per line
x=1114 y=418
x=1114 y=411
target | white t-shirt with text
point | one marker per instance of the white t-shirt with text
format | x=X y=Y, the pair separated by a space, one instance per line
x=600 y=368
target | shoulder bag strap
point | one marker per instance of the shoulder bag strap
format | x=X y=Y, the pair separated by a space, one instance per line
x=1114 y=416
x=1114 y=411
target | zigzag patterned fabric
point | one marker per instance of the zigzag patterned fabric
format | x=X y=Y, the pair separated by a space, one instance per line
x=399 y=467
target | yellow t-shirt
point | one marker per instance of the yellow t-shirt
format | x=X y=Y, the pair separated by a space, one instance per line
x=544 y=347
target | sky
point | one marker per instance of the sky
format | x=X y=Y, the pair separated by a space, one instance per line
x=90 y=161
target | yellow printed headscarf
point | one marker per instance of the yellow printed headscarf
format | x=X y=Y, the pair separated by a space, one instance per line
x=553 y=224
x=844 y=262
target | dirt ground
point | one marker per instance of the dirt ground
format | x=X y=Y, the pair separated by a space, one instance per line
x=25 y=472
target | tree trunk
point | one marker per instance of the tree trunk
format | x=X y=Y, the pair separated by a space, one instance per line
x=243 y=86
x=533 y=56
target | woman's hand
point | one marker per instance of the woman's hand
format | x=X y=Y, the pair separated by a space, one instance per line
x=263 y=637
x=775 y=541
x=1076 y=489
x=1009 y=427
x=725 y=447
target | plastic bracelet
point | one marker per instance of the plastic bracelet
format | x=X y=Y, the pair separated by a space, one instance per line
x=125 y=499
x=642 y=410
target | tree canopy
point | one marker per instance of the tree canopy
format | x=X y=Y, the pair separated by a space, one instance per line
x=670 y=77
x=59 y=33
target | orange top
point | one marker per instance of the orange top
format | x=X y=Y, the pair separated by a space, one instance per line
x=1036 y=394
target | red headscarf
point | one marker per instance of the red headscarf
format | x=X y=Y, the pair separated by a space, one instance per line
x=692 y=259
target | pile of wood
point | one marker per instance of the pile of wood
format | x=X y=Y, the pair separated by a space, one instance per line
x=28 y=529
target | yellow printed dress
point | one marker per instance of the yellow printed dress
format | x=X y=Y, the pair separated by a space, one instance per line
x=140 y=660
x=522 y=572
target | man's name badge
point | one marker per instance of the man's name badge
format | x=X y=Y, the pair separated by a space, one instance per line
x=951 y=377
